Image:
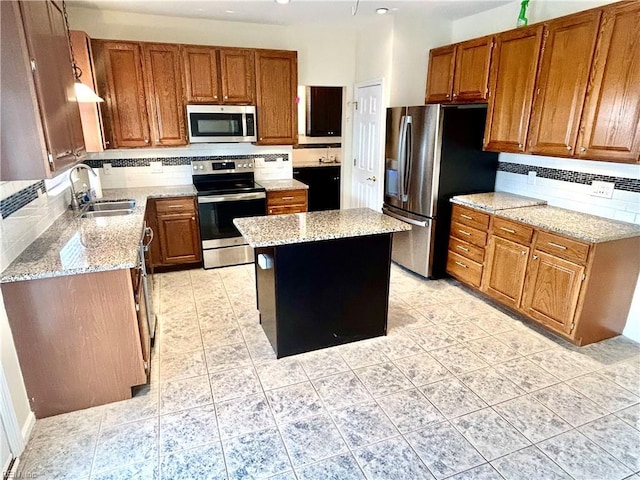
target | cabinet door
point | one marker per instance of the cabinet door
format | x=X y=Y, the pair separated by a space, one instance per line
x=48 y=47
x=567 y=53
x=512 y=79
x=126 y=119
x=552 y=291
x=179 y=238
x=610 y=127
x=237 y=71
x=164 y=94
x=505 y=270
x=440 y=74
x=324 y=111
x=471 y=78
x=277 y=110
x=201 y=74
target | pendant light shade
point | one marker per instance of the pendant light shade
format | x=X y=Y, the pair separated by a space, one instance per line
x=84 y=94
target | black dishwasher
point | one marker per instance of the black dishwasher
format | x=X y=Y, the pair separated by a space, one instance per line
x=324 y=186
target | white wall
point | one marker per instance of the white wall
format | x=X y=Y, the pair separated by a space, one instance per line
x=504 y=17
x=413 y=37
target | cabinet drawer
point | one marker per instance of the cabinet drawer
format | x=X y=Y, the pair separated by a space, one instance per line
x=175 y=205
x=468 y=234
x=511 y=230
x=284 y=209
x=286 y=197
x=468 y=216
x=466 y=249
x=463 y=269
x=562 y=247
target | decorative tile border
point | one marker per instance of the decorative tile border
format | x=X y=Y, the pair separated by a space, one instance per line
x=15 y=202
x=317 y=145
x=621 y=183
x=167 y=161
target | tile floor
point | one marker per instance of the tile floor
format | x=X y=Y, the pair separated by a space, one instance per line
x=457 y=389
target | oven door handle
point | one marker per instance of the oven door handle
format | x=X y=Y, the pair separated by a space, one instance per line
x=233 y=197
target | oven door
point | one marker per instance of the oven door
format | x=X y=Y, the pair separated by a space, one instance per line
x=218 y=211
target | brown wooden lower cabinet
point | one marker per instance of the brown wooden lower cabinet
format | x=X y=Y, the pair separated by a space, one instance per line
x=286 y=201
x=77 y=339
x=174 y=221
x=579 y=290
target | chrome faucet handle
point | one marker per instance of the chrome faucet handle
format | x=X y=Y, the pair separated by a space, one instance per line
x=76 y=197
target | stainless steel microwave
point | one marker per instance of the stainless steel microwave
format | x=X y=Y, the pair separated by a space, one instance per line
x=221 y=123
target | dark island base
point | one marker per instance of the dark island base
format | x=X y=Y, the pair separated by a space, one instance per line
x=326 y=293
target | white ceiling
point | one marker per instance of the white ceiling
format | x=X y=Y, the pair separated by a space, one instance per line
x=298 y=12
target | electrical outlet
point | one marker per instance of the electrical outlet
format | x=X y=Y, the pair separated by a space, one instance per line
x=602 y=189
x=156 y=167
x=106 y=168
x=531 y=178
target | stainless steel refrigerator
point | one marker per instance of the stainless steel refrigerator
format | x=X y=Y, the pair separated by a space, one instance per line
x=432 y=153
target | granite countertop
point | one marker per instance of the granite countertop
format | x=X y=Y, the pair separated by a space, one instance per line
x=582 y=226
x=494 y=201
x=73 y=245
x=276 y=230
x=287 y=184
x=313 y=163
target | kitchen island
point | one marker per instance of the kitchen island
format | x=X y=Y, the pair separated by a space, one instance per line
x=322 y=278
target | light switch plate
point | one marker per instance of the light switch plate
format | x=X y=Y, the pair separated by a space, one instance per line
x=156 y=167
x=602 y=189
x=531 y=178
x=106 y=168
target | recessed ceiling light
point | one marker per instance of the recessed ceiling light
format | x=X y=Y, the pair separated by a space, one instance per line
x=229 y=11
x=282 y=2
x=381 y=11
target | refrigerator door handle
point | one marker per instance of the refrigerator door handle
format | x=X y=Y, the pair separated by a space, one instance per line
x=407 y=159
x=401 y=157
x=417 y=223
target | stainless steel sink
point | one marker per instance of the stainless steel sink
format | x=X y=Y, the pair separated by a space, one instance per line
x=108 y=208
x=107 y=205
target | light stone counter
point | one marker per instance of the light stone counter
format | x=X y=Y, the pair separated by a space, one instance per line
x=276 y=230
x=494 y=201
x=583 y=226
x=74 y=246
x=313 y=163
x=278 y=185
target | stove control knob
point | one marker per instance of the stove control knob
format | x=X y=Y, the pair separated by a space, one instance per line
x=251 y=165
x=244 y=165
x=201 y=167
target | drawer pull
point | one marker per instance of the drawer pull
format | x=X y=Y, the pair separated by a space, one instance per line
x=461 y=264
x=468 y=217
x=460 y=247
x=464 y=233
x=508 y=230
x=535 y=257
x=174 y=206
x=287 y=198
x=557 y=245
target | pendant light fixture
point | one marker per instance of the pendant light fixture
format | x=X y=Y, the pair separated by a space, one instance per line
x=84 y=93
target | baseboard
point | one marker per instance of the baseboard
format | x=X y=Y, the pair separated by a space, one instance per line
x=27 y=428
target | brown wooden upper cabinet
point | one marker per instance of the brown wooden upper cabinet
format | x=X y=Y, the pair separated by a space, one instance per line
x=610 y=128
x=567 y=53
x=218 y=75
x=440 y=75
x=460 y=73
x=41 y=128
x=164 y=93
x=512 y=80
x=120 y=83
x=276 y=89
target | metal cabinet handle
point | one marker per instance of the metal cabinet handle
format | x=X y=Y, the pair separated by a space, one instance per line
x=461 y=264
x=557 y=245
x=146 y=140
x=468 y=217
x=569 y=147
x=524 y=252
x=535 y=257
x=464 y=233
x=215 y=97
x=583 y=149
x=460 y=247
x=508 y=230
x=193 y=218
x=519 y=145
x=226 y=97
x=287 y=198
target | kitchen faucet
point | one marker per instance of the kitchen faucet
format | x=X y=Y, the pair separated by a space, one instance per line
x=76 y=197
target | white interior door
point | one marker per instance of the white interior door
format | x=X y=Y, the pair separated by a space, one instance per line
x=368 y=127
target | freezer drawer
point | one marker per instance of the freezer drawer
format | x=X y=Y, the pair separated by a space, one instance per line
x=413 y=249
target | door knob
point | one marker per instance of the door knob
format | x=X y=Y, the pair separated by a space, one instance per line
x=373 y=179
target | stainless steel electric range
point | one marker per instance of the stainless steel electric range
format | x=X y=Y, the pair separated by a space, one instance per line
x=226 y=190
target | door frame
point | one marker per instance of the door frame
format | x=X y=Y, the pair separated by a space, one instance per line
x=8 y=419
x=383 y=108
